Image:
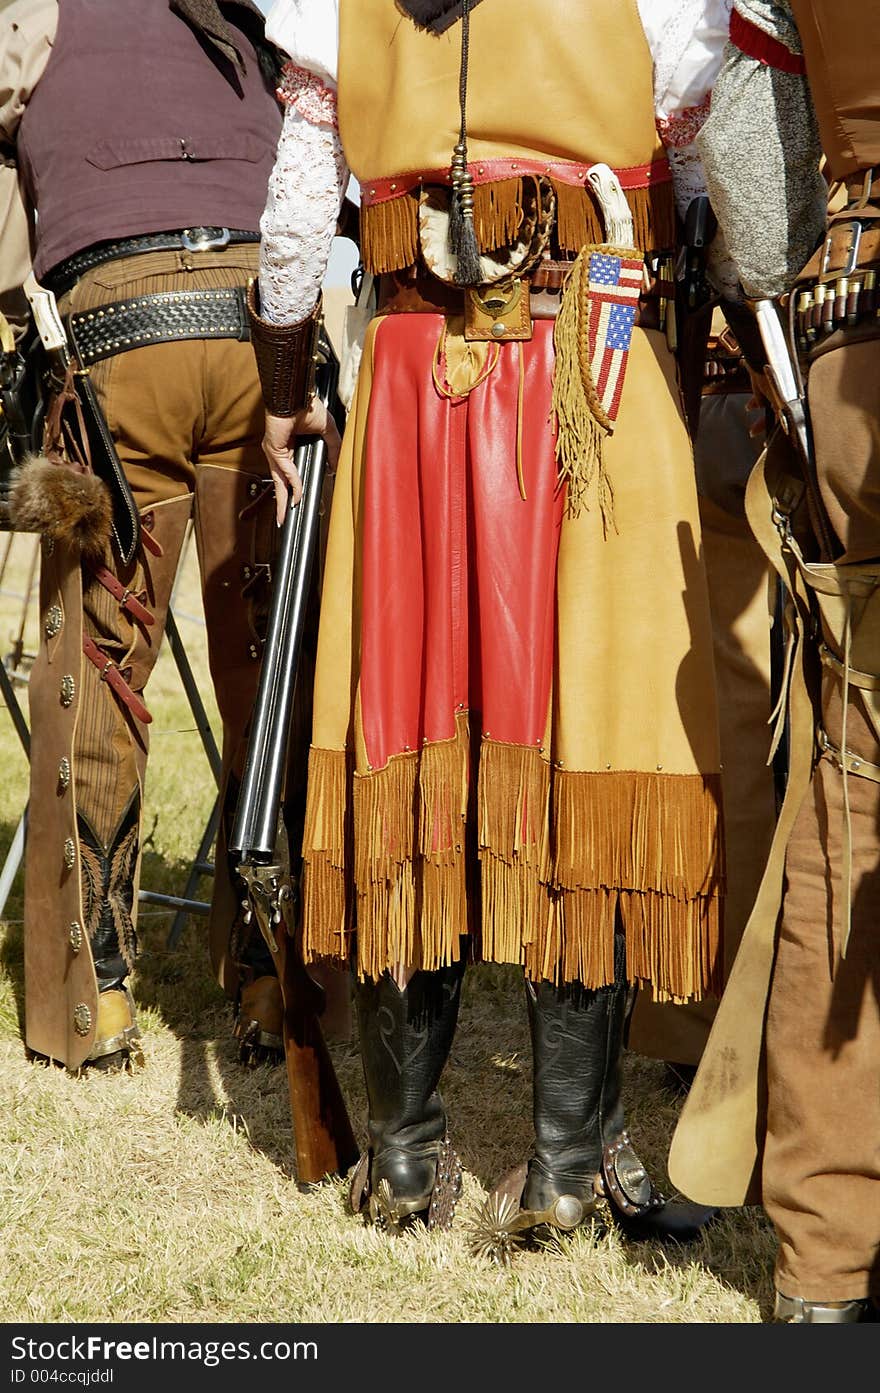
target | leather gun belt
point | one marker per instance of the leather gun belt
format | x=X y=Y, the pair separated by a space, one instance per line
x=838 y=288
x=167 y=317
x=190 y=239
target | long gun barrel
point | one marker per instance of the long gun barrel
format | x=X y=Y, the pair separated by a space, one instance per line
x=323 y=1137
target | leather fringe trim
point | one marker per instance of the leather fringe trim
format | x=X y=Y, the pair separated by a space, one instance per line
x=647 y=831
x=579 y=219
x=408 y=859
x=649 y=845
x=326 y=907
x=390 y=233
x=498 y=213
x=513 y=800
x=390 y=228
x=561 y=856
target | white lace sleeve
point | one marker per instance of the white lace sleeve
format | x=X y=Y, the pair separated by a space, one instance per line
x=686 y=38
x=306 y=189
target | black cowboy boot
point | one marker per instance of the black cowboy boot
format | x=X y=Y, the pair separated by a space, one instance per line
x=582 y=1152
x=636 y=1206
x=405 y=1038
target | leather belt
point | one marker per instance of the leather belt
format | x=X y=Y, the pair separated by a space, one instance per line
x=859 y=187
x=168 y=317
x=416 y=292
x=822 y=307
x=190 y=239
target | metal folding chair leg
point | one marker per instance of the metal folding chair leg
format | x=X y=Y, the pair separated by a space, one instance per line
x=15 y=854
x=186 y=904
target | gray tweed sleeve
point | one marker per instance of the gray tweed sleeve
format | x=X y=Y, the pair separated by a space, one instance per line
x=760 y=150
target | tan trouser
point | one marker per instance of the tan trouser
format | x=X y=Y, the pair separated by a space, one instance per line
x=821 y=1173
x=187 y=420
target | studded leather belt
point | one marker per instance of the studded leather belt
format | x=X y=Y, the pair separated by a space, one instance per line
x=167 y=317
x=190 y=239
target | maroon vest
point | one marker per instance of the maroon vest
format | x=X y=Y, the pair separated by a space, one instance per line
x=135 y=126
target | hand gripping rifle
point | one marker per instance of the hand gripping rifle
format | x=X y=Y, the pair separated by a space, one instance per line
x=323 y=1138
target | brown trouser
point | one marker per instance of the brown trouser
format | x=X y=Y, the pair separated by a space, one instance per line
x=821 y=1173
x=187 y=419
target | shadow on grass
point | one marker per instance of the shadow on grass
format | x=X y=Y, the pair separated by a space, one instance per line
x=178 y=984
x=486 y=1086
x=730 y=1247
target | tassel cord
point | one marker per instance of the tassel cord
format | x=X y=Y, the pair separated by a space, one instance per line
x=462 y=233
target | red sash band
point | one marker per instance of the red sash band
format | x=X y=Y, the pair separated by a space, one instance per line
x=754 y=43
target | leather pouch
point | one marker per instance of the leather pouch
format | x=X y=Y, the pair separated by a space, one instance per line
x=497 y=313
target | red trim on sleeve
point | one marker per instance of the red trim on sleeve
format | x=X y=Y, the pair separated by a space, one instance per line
x=754 y=43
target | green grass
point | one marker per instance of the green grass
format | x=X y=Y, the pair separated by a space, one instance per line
x=170 y=1194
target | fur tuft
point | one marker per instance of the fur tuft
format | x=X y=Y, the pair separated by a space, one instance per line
x=72 y=508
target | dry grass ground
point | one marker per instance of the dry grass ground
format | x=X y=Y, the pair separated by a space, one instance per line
x=169 y=1195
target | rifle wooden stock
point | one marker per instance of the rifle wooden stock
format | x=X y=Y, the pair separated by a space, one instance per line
x=325 y=1143
x=323 y=1137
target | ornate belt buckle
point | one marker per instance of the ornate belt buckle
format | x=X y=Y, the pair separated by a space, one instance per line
x=202 y=239
x=498 y=312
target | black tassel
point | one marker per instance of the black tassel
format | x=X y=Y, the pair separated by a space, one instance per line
x=462 y=234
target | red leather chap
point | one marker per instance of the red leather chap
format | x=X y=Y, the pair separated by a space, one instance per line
x=459 y=570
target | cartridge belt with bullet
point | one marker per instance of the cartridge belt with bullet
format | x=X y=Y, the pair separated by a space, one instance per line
x=839 y=289
x=844 y=301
